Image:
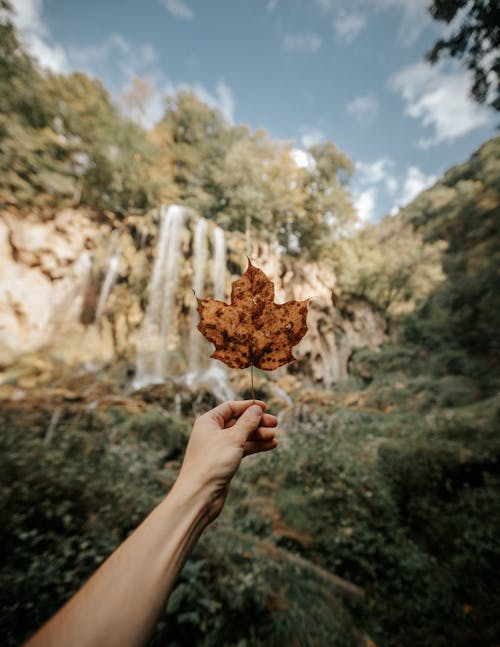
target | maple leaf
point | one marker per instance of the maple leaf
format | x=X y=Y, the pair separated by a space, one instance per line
x=253 y=330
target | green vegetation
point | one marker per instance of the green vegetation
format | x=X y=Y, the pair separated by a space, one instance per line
x=389 y=264
x=388 y=483
x=473 y=39
x=391 y=482
x=463 y=209
x=64 y=142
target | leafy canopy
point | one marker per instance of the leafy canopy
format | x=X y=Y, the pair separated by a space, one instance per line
x=475 y=40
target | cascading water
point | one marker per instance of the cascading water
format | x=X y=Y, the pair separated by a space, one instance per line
x=152 y=355
x=160 y=322
x=200 y=255
x=215 y=376
x=219 y=266
x=172 y=271
x=109 y=279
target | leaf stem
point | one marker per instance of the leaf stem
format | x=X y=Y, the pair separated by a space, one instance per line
x=251 y=379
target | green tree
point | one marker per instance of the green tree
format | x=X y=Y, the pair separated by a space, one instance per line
x=20 y=81
x=30 y=150
x=200 y=137
x=327 y=202
x=260 y=184
x=112 y=156
x=475 y=40
x=390 y=265
x=463 y=209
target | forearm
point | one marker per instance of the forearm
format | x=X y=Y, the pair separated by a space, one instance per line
x=120 y=604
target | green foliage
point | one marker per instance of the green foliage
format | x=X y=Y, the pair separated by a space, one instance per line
x=401 y=506
x=393 y=492
x=247 y=182
x=63 y=141
x=72 y=502
x=475 y=39
x=389 y=264
x=463 y=210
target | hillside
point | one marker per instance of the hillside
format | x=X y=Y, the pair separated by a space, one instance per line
x=377 y=519
x=376 y=522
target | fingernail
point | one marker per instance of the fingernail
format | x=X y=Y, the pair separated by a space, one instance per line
x=255 y=410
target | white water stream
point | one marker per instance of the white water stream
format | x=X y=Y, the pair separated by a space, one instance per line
x=219 y=266
x=152 y=354
x=110 y=278
x=200 y=255
x=160 y=327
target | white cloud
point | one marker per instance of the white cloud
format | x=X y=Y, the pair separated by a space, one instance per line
x=129 y=57
x=348 y=26
x=305 y=42
x=154 y=106
x=222 y=99
x=271 y=5
x=116 y=61
x=28 y=15
x=326 y=5
x=439 y=99
x=179 y=9
x=311 y=136
x=364 y=108
x=374 y=183
x=28 y=19
x=374 y=180
x=302 y=158
x=415 y=17
x=364 y=204
x=415 y=182
x=378 y=172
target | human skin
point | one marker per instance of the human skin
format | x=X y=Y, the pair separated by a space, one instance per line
x=120 y=603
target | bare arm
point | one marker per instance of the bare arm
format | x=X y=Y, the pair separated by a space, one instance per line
x=120 y=603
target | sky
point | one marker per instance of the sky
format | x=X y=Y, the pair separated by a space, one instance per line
x=349 y=71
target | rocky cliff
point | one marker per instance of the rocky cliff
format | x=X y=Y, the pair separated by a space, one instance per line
x=90 y=291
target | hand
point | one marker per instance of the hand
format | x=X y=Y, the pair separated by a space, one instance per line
x=220 y=439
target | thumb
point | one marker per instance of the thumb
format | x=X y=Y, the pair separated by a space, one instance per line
x=248 y=421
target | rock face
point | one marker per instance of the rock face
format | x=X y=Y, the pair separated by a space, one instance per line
x=57 y=275
x=336 y=326
x=43 y=272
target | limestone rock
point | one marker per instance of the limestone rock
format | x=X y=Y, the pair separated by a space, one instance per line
x=53 y=273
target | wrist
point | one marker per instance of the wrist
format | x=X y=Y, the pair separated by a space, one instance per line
x=193 y=497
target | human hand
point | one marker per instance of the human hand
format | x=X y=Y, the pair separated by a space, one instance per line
x=220 y=439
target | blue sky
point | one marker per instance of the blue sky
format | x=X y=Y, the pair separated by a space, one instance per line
x=305 y=70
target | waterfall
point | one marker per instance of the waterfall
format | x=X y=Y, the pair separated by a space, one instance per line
x=175 y=216
x=109 y=279
x=213 y=378
x=152 y=355
x=200 y=255
x=219 y=266
x=160 y=320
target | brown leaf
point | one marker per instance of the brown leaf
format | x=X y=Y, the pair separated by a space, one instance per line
x=253 y=329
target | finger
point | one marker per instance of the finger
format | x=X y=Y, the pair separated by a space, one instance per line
x=254 y=447
x=268 y=420
x=262 y=433
x=248 y=422
x=228 y=410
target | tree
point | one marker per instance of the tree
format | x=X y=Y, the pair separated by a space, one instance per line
x=463 y=209
x=260 y=184
x=32 y=153
x=113 y=155
x=390 y=265
x=328 y=202
x=475 y=40
x=200 y=137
